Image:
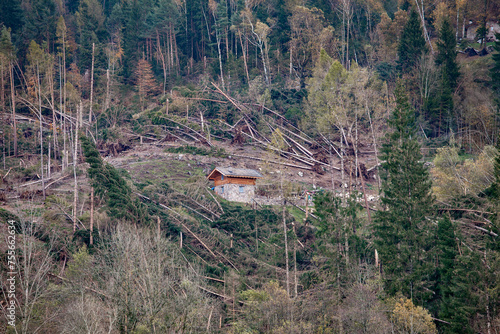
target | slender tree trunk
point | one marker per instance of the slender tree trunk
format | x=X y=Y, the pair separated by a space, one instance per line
x=244 y=58
x=108 y=97
x=421 y=12
x=48 y=163
x=13 y=102
x=91 y=85
x=4 y=118
x=41 y=128
x=66 y=155
x=52 y=100
x=227 y=43
x=286 y=251
x=75 y=159
x=163 y=64
x=374 y=141
x=217 y=36
x=295 y=263
x=92 y=215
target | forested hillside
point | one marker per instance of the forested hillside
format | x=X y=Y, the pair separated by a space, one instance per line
x=375 y=126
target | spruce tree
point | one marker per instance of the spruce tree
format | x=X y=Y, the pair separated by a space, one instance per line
x=112 y=187
x=452 y=290
x=447 y=54
x=495 y=71
x=495 y=187
x=402 y=231
x=440 y=104
x=411 y=45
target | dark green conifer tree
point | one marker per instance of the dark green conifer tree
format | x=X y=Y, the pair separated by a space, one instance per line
x=402 y=231
x=11 y=15
x=452 y=290
x=112 y=187
x=440 y=104
x=495 y=71
x=90 y=21
x=337 y=226
x=411 y=45
x=447 y=54
x=40 y=22
x=495 y=187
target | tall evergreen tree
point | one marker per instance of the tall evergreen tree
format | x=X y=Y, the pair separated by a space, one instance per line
x=41 y=20
x=495 y=71
x=402 y=231
x=440 y=103
x=451 y=281
x=447 y=54
x=7 y=59
x=90 y=20
x=411 y=45
x=11 y=15
x=495 y=187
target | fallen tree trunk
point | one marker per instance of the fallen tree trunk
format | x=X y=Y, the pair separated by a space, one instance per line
x=274 y=162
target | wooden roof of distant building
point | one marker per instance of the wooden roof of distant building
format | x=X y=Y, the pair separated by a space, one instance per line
x=235 y=172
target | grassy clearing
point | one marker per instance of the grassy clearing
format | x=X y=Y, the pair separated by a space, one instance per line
x=188 y=149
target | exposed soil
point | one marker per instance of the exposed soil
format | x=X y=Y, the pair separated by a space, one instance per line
x=151 y=162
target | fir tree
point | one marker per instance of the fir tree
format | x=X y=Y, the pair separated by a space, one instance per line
x=495 y=71
x=495 y=188
x=451 y=287
x=90 y=21
x=411 y=45
x=441 y=111
x=111 y=187
x=402 y=231
x=447 y=54
x=11 y=15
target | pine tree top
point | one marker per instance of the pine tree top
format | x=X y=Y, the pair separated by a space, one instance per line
x=412 y=44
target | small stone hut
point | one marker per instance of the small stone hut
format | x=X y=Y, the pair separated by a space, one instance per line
x=234 y=184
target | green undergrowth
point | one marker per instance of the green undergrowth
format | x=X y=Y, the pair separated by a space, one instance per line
x=188 y=149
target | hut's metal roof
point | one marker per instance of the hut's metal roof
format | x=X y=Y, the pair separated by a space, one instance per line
x=236 y=172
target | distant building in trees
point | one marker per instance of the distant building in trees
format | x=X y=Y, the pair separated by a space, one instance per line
x=492 y=28
x=235 y=184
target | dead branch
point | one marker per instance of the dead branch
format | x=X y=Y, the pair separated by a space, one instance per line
x=213 y=279
x=215 y=199
x=85 y=287
x=215 y=293
x=59 y=179
x=465 y=210
x=3 y=178
x=31 y=183
x=199 y=240
x=296 y=135
x=374 y=167
x=187 y=127
x=227 y=97
x=298 y=207
x=159 y=204
x=477 y=228
x=201 y=205
x=203 y=99
x=201 y=214
x=198 y=255
x=225 y=258
x=274 y=162
x=302 y=148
